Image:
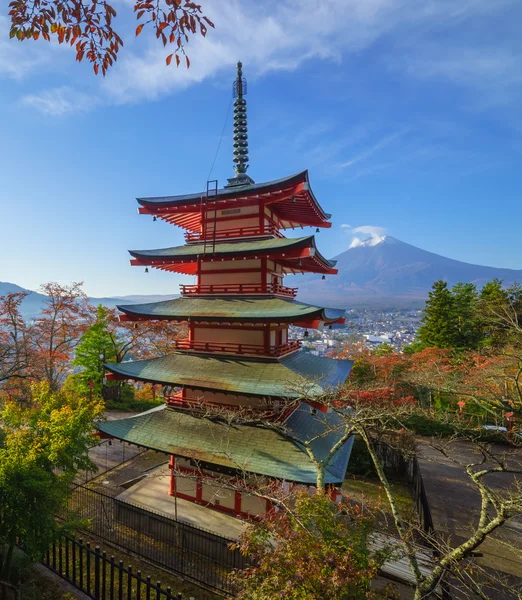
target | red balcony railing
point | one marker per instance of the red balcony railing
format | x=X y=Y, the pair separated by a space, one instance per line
x=218 y=347
x=238 y=288
x=200 y=406
x=238 y=232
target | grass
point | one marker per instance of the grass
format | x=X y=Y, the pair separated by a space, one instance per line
x=37 y=583
x=133 y=404
x=371 y=492
x=177 y=584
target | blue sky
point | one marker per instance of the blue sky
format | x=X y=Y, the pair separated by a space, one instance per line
x=406 y=113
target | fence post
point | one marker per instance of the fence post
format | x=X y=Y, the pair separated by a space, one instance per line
x=97 y=572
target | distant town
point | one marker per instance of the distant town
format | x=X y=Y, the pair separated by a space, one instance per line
x=396 y=327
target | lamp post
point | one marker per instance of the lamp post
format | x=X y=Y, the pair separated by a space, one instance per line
x=91 y=385
x=461 y=404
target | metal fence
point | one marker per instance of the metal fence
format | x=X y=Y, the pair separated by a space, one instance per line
x=407 y=467
x=190 y=551
x=101 y=577
x=8 y=591
x=107 y=455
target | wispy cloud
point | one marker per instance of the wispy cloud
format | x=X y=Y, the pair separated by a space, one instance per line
x=494 y=71
x=276 y=35
x=369 y=152
x=60 y=101
x=17 y=59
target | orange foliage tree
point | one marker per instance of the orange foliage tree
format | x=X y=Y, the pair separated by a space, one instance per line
x=88 y=26
x=57 y=331
x=142 y=339
x=14 y=339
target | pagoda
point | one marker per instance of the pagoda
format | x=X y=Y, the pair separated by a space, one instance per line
x=238 y=356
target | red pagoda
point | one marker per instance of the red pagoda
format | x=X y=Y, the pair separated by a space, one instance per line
x=238 y=355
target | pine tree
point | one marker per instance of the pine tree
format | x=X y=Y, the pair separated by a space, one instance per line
x=95 y=348
x=468 y=334
x=439 y=322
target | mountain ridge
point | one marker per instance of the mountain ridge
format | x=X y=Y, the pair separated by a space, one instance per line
x=34 y=302
x=387 y=272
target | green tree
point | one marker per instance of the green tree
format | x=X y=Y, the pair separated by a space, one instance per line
x=468 y=334
x=317 y=550
x=42 y=448
x=439 y=322
x=96 y=347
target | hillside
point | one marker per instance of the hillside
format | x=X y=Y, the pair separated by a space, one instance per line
x=34 y=302
x=389 y=273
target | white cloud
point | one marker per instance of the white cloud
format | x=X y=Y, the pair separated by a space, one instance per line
x=494 y=71
x=367 y=235
x=365 y=154
x=17 y=59
x=283 y=34
x=346 y=226
x=59 y=101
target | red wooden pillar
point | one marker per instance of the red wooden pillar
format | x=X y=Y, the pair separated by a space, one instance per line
x=237 y=503
x=172 y=466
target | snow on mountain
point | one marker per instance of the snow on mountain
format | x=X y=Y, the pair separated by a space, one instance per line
x=384 y=271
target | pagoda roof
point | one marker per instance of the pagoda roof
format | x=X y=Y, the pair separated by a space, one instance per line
x=240 y=308
x=288 y=377
x=287 y=251
x=253 y=448
x=290 y=197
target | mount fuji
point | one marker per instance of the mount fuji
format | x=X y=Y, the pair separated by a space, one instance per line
x=383 y=272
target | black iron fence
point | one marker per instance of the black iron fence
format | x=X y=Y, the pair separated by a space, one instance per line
x=190 y=551
x=8 y=591
x=107 y=455
x=101 y=577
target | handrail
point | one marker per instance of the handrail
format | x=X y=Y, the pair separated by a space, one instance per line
x=197 y=405
x=274 y=351
x=239 y=288
x=237 y=232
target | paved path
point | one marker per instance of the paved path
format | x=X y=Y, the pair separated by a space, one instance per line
x=455 y=504
x=153 y=493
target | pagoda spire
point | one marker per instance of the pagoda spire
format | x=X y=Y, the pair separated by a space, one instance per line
x=239 y=90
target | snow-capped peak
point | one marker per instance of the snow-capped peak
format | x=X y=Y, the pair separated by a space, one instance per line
x=373 y=240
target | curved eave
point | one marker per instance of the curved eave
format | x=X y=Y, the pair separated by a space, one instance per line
x=245 y=447
x=301 y=256
x=262 y=248
x=289 y=377
x=233 y=309
x=290 y=197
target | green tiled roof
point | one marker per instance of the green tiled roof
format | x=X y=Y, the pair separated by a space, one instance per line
x=251 y=448
x=233 y=309
x=243 y=247
x=284 y=378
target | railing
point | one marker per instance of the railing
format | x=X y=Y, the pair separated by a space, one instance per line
x=206 y=407
x=99 y=576
x=238 y=288
x=193 y=552
x=238 y=232
x=8 y=591
x=274 y=351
